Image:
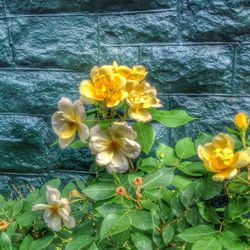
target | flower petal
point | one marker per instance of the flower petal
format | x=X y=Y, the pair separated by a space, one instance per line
x=118 y=164
x=52 y=195
x=130 y=148
x=79 y=111
x=98 y=144
x=141 y=115
x=66 y=106
x=226 y=174
x=104 y=157
x=83 y=132
x=65 y=142
x=70 y=223
x=241 y=159
x=87 y=90
x=120 y=130
x=38 y=207
x=55 y=223
x=67 y=131
x=223 y=141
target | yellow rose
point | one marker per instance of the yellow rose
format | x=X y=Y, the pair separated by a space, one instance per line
x=114 y=146
x=219 y=157
x=105 y=85
x=141 y=96
x=241 y=121
x=69 y=120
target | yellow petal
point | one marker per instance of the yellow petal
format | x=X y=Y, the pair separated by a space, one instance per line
x=226 y=174
x=65 y=142
x=67 y=131
x=241 y=159
x=141 y=115
x=87 y=89
x=138 y=73
x=104 y=157
x=241 y=121
x=223 y=141
x=118 y=164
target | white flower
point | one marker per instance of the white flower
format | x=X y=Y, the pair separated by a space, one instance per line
x=114 y=146
x=56 y=211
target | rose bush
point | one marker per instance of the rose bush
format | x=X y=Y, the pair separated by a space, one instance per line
x=194 y=195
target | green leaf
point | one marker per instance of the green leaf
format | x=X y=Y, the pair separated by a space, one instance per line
x=55 y=183
x=5 y=243
x=172 y=118
x=167 y=155
x=18 y=205
x=11 y=229
x=100 y=191
x=184 y=148
x=106 y=123
x=176 y=206
x=237 y=207
x=141 y=241
x=141 y=220
x=230 y=241
x=2 y=202
x=207 y=243
x=26 y=218
x=145 y=136
x=78 y=144
x=208 y=213
x=193 y=216
x=79 y=242
x=180 y=182
x=41 y=243
x=26 y=243
x=111 y=208
x=93 y=247
x=161 y=177
x=195 y=233
x=202 y=139
x=192 y=168
x=187 y=196
x=67 y=189
x=148 y=165
x=168 y=234
x=114 y=224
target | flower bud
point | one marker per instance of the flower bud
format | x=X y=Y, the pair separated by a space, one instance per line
x=3 y=224
x=121 y=191
x=162 y=155
x=241 y=121
x=74 y=193
x=138 y=194
x=138 y=181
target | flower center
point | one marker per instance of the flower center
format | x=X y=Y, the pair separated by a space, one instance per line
x=55 y=208
x=225 y=154
x=114 y=144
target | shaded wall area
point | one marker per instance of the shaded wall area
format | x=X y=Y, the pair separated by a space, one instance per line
x=196 y=52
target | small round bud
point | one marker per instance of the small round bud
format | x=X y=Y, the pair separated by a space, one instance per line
x=138 y=181
x=241 y=121
x=121 y=191
x=162 y=155
x=74 y=193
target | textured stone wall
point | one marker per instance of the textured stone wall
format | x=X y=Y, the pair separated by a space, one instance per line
x=197 y=53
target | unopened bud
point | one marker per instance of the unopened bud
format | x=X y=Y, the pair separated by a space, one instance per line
x=241 y=121
x=121 y=191
x=162 y=155
x=138 y=181
x=74 y=193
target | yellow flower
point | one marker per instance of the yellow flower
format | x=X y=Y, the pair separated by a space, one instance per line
x=56 y=211
x=105 y=85
x=137 y=73
x=69 y=120
x=241 y=121
x=219 y=157
x=3 y=225
x=114 y=146
x=141 y=96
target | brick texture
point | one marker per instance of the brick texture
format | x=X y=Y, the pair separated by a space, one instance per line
x=197 y=54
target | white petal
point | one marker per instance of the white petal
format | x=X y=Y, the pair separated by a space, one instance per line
x=55 y=223
x=39 y=207
x=98 y=144
x=70 y=223
x=104 y=157
x=66 y=106
x=79 y=110
x=83 y=132
x=98 y=132
x=46 y=215
x=64 y=214
x=65 y=142
x=52 y=195
x=130 y=148
x=118 y=164
x=120 y=130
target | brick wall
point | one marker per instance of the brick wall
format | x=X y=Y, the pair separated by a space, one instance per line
x=197 y=53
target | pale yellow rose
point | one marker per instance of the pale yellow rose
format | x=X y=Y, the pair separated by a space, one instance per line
x=114 y=146
x=69 y=120
x=241 y=121
x=219 y=157
x=141 y=96
x=57 y=211
x=105 y=85
x=4 y=225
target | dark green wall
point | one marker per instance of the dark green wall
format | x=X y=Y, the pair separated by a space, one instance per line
x=196 y=51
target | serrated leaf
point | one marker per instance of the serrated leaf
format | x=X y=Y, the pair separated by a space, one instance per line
x=161 y=177
x=148 y=164
x=26 y=243
x=184 y=148
x=79 y=242
x=207 y=243
x=208 y=213
x=42 y=243
x=195 y=233
x=141 y=220
x=168 y=234
x=187 y=195
x=167 y=155
x=114 y=224
x=5 y=243
x=172 y=118
x=192 y=168
x=145 y=136
x=180 y=182
x=100 y=191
